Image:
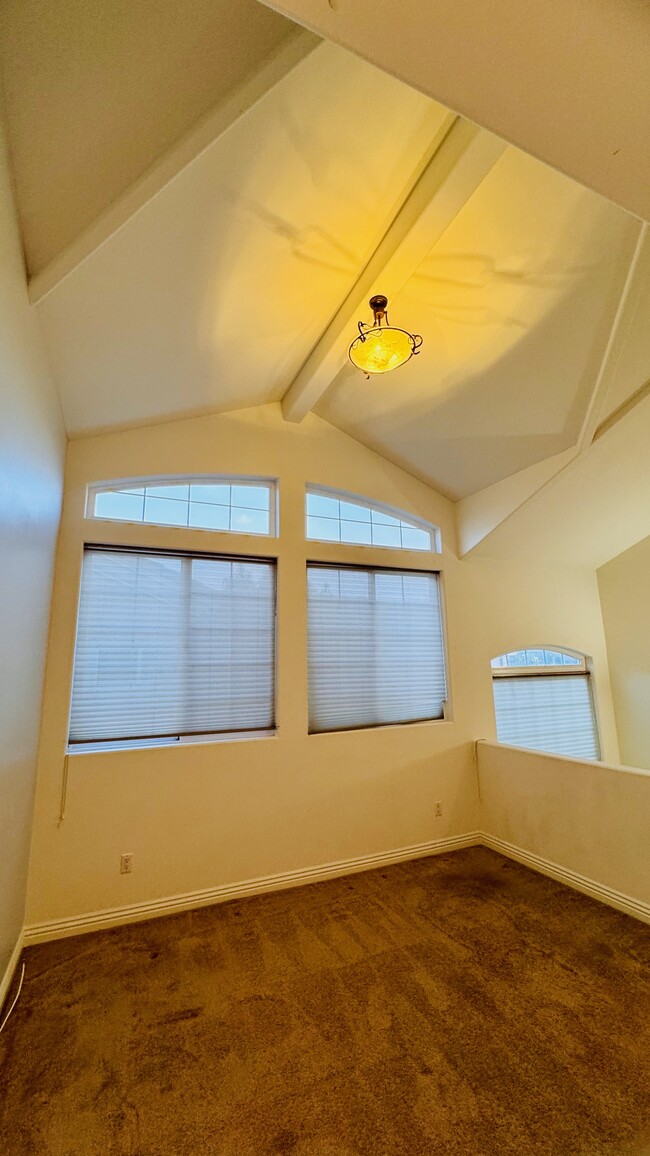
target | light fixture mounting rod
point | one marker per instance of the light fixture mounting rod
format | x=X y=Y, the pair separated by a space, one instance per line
x=379 y=304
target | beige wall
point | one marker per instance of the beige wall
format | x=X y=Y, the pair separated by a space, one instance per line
x=590 y=819
x=31 y=474
x=204 y=815
x=624 y=585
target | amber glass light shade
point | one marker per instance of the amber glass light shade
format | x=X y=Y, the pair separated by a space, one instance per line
x=381 y=347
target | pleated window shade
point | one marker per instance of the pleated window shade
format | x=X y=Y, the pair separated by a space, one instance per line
x=172 y=645
x=376 y=651
x=553 y=713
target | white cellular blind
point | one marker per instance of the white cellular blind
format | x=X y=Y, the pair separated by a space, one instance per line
x=376 y=652
x=552 y=713
x=172 y=645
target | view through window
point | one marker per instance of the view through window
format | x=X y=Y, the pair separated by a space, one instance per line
x=338 y=518
x=237 y=506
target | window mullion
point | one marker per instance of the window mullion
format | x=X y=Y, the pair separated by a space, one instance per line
x=187 y=672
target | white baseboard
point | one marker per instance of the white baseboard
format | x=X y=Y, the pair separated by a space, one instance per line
x=168 y=905
x=155 y=908
x=636 y=907
x=5 y=982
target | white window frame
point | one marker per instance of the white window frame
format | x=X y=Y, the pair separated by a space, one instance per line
x=411 y=520
x=125 y=484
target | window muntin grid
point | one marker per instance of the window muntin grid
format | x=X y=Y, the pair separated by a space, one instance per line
x=228 y=505
x=535 y=657
x=332 y=517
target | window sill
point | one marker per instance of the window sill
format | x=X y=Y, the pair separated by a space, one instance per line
x=157 y=744
x=392 y=726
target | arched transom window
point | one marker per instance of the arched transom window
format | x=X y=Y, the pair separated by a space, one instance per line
x=333 y=516
x=234 y=505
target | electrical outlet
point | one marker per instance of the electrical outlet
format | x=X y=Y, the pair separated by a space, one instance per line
x=437 y=810
x=126 y=863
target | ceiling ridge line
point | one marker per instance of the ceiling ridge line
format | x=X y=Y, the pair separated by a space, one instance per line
x=459 y=160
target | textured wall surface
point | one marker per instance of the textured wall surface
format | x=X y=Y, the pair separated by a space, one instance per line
x=32 y=448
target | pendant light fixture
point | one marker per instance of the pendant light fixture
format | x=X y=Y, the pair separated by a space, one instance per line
x=381 y=347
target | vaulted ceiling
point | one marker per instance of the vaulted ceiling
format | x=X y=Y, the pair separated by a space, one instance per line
x=209 y=195
x=98 y=92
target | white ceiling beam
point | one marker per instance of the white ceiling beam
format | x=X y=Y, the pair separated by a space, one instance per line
x=212 y=126
x=458 y=161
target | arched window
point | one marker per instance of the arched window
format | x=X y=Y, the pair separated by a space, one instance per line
x=226 y=504
x=334 y=516
x=543 y=700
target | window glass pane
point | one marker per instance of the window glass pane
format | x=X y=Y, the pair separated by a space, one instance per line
x=165 y=511
x=324 y=529
x=124 y=507
x=354 y=513
x=215 y=495
x=359 y=533
x=386 y=536
x=251 y=497
x=535 y=657
x=552 y=658
x=415 y=539
x=382 y=519
x=322 y=506
x=569 y=660
x=173 y=491
x=204 y=517
x=249 y=521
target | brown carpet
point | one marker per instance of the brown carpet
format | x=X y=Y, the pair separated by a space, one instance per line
x=459 y=1004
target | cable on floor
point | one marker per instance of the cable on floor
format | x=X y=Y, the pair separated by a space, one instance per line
x=14 y=1001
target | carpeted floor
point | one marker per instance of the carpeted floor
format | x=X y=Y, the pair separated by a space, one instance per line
x=458 y=1004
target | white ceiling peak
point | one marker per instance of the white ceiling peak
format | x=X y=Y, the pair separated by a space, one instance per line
x=566 y=80
x=215 y=295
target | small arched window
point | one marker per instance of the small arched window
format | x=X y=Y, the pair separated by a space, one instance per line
x=334 y=516
x=226 y=504
x=543 y=700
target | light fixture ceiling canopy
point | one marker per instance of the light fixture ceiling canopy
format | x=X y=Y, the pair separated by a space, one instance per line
x=381 y=346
